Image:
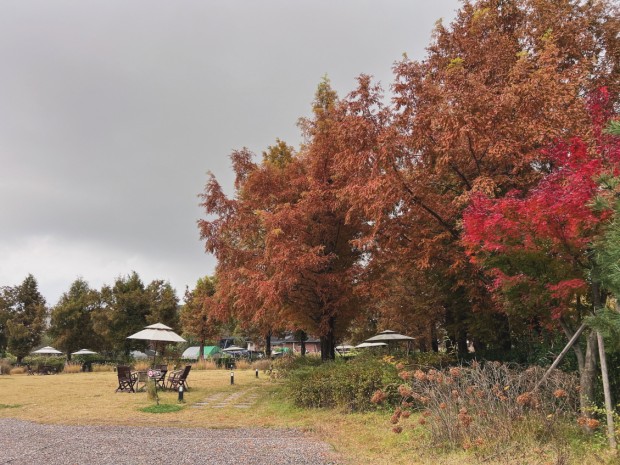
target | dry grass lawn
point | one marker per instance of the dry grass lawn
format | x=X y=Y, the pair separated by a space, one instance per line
x=89 y=399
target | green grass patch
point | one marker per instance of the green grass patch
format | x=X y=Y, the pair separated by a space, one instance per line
x=162 y=408
x=9 y=406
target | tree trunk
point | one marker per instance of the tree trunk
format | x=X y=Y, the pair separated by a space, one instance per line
x=588 y=376
x=328 y=343
x=68 y=355
x=268 y=344
x=303 y=343
x=201 y=351
x=576 y=346
x=434 y=341
x=571 y=343
x=461 y=342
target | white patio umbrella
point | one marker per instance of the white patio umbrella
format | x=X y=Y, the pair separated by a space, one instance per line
x=84 y=352
x=157 y=333
x=232 y=349
x=388 y=336
x=364 y=345
x=344 y=347
x=47 y=351
x=391 y=336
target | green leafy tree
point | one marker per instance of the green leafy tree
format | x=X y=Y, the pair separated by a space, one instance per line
x=4 y=317
x=24 y=312
x=71 y=325
x=198 y=316
x=124 y=310
x=164 y=304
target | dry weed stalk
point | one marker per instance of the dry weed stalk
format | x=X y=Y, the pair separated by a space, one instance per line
x=484 y=403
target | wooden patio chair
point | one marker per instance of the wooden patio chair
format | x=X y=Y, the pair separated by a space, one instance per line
x=179 y=378
x=126 y=379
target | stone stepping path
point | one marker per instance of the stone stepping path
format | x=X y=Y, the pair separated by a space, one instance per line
x=240 y=399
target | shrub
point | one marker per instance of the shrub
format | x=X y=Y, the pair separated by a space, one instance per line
x=345 y=385
x=484 y=403
x=57 y=363
x=263 y=364
x=17 y=370
x=5 y=367
x=282 y=367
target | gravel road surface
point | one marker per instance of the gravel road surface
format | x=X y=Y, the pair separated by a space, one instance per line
x=23 y=442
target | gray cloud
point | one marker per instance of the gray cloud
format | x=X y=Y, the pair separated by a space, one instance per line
x=113 y=111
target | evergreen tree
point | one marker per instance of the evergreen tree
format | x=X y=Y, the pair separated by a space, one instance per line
x=71 y=325
x=24 y=313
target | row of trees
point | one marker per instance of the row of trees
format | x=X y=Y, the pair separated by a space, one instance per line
x=465 y=206
x=85 y=317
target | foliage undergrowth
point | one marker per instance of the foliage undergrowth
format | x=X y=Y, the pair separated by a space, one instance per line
x=344 y=385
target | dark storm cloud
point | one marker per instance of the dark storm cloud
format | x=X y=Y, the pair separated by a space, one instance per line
x=112 y=112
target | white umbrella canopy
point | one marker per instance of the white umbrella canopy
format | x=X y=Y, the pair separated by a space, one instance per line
x=47 y=351
x=232 y=349
x=388 y=336
x=364 y=345
x=84 y=352
x=157 y=332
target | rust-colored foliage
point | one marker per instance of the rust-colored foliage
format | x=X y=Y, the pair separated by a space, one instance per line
x=368 y=215
x=504 y=81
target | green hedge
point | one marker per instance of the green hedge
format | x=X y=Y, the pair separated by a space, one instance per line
x=348 y=385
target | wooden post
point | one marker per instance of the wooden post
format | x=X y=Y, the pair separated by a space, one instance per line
x=559 y=358
x=611 y=431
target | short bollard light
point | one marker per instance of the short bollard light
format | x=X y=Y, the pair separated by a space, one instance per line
x=257 y=372
x=181 y=393
x=232 y=378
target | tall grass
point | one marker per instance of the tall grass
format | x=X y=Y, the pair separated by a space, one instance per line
x=141 y=365
x=99 y=367
x=262 y=364
x=243 y=364
x=72 y=368
x=204 y=365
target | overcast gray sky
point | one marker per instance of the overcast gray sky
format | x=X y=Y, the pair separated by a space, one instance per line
x=112 y=112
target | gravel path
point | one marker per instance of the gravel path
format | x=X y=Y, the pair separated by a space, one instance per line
x=23 y=442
